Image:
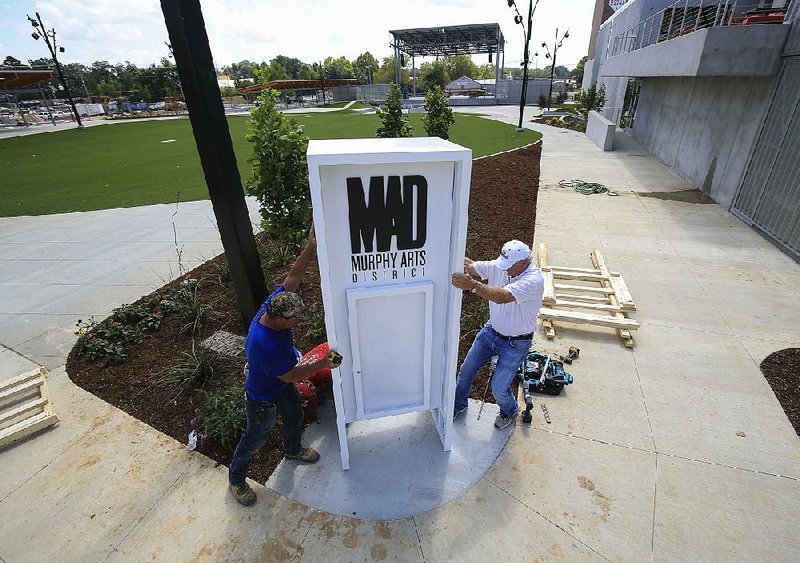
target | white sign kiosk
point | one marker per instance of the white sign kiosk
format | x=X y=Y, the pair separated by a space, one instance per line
x=390 y=217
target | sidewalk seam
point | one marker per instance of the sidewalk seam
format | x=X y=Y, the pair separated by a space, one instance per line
x=655 y=496
x=299 y=551
x=668 y=454
x=419 y=540
x=593 y=550
x=149 y=510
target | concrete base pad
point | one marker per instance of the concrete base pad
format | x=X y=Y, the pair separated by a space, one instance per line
x=397 y=465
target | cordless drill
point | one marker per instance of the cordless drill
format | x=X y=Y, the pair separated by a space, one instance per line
x=335 y=358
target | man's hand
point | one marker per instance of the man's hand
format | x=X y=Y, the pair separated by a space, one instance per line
x=469 y=268
x=312 y=237
x=463 y=281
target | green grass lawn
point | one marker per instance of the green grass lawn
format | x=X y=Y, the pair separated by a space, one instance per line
x=129 y=164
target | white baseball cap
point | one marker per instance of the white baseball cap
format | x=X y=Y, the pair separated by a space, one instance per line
x=513 y=251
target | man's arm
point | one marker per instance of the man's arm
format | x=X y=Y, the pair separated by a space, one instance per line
x=295 y=275
x=302 y=371
x=493 y=294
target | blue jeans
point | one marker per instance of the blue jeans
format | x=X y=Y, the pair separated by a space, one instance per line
x=261 y=417
x=510 y=354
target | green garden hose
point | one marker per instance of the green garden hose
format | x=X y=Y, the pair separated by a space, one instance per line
x=586 y=188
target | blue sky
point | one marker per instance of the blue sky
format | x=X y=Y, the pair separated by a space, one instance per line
x=258 y=30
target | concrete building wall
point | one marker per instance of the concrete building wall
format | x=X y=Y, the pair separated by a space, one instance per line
x=703 y=128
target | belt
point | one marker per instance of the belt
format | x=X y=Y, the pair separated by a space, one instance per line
x=519 y=337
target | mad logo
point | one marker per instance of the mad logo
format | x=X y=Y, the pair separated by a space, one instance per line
x=396 y=208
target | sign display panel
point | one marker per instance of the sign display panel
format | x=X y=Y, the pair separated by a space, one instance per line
x=390 y=217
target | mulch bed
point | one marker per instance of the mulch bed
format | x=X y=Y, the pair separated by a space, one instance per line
x=562 y=124
x=782 y=371
x=502 y=207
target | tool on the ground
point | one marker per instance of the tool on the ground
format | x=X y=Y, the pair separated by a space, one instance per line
x=335 y=358
x=539 y=373
x=546 y=413
x=571 y=355
x=492 y=367
x=586 y=188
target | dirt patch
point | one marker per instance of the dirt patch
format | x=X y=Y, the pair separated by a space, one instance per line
x=685 y=196
x=502 y=207
x=782 y=371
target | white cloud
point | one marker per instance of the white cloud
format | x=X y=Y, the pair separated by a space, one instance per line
x=259 y=30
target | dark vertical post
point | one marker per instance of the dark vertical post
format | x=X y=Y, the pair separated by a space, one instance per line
x=552 y=70
x=52 y=49
x=524 y=94
x=187 y=33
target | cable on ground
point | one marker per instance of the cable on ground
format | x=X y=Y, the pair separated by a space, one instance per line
x=586 y=188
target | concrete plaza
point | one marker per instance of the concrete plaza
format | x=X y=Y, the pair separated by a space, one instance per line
x=675 y=450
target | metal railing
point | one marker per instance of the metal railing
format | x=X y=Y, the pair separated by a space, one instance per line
x=681 y=18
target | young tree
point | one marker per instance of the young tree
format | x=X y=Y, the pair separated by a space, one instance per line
x=279 y=177
x=438 y=117
x=393 y=122
x=592 y=99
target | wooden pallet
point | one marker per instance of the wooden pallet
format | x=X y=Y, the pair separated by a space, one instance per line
x=593 y=296
x=24 y=406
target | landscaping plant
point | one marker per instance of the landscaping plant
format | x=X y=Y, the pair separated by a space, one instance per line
x=592 y=99
x=223 y=415
x=393 y=122
x=279 y=178
x=438 y=117
x=542 y=101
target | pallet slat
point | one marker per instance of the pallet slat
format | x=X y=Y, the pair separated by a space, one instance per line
x=549 y=295
x=33 y=405
x=588 y=318
x=600 y=263
x=8 y=395
x=26 y=427
x=592 y=306
x=585 y=288
x=622 y=293
x=584 y=298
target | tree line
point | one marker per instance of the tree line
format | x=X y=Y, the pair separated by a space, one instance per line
x=154 y=82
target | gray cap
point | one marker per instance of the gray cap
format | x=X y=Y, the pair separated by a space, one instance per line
x=287 y=304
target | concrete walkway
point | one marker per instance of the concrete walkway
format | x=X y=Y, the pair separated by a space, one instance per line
x=676 y=450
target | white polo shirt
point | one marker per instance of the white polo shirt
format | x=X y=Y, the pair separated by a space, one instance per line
x=519 y=316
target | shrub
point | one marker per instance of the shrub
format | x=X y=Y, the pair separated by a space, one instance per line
x=592 y=99
x=223 y=415
x=542 y=101
x=438 y=117
x=192 y=311
x=561 y=97
x=193 y=372
x=279 y=178
x=393 y=123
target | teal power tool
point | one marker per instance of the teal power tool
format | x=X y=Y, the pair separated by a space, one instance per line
x=539 y=373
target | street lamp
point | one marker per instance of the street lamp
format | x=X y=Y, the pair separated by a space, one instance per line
x=526 y=58
x=556 y=47
x=52 y=47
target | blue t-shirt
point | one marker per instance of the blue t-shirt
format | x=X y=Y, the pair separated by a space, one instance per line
x=270 y=354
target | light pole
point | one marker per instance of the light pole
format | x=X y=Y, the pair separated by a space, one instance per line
x=48 y=35
x=526 y=59
x=556 y=47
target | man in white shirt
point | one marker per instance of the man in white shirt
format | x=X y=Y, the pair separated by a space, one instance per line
x=514 y=289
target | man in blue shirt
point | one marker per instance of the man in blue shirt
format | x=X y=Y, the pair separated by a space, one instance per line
x=271 y=372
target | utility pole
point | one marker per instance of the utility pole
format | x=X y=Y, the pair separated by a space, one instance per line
x=42 y=32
